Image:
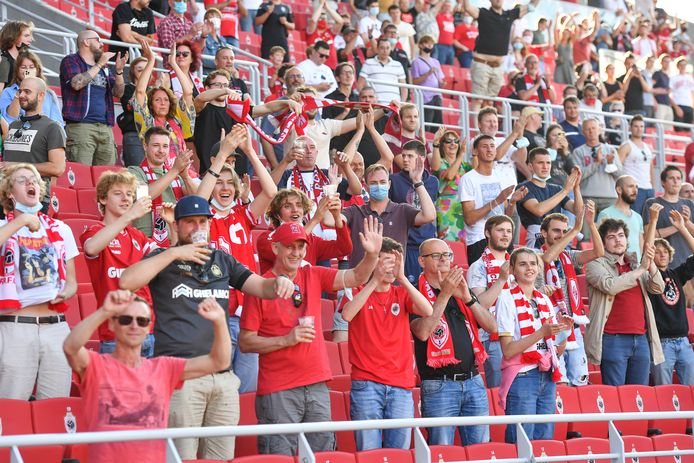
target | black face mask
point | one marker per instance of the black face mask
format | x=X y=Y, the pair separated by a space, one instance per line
x=427 y=50
x=23 y=47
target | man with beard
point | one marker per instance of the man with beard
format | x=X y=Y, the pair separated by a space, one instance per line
x=627 y=192
x=670 y=309
x=622 y=336
x=544 y=198
x=687 y=191
x=88 y=89
x=409 y=131
x=35 y=138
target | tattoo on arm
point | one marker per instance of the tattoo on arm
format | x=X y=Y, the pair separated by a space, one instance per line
x=81 y=80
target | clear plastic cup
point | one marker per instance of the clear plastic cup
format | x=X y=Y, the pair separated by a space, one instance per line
x=307 y=320
x=199 y=236
x=330 y=190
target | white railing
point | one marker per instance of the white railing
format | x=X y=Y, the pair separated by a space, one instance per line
x=660 y=138
x=421 y=449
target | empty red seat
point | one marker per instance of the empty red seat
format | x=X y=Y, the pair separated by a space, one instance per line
x=588 y=445
x=673 y=397
x=76 y=176
x=334 y=358
x=596 y=399
x=72 y=314
x=385 y=456
x=79 y=226
x=327 y=312
x=491 y=451
x=673 y=442
x=445 y=453
x=246 y=445
x=344 y=357
x=340 y=412
x=690 y=322
x=566 y=402
x=636 y=398
x=264 y=459
x=497 y=432
x=81 y=269
x=638 y=444
x=459 y=250
x=96 y=172
x=62 y=200
x=334 y=457
x=51 y=416
x=16 y=419
x=86 y=199
x=87 y=304
x=548 y=448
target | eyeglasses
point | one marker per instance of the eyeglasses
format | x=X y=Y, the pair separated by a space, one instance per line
x=449 y=141
x=26 y=126
x=126 y=320
x=184 y=54
x=439 y=255
x=297 y=299
x=24 y=180
x=98 y=39
x=321 y=55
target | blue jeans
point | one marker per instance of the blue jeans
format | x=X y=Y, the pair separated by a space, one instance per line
x=245 y=365
x=678 y=356
x=441 y=398
x=465 y=59
x=492 y=367
x=641 y=196
x=574 y=364
x=531 y=393
x=412 y=267
x=249 y=21
x=147 y=349
x=444 y=53
x=626 y=359
x=369 y=400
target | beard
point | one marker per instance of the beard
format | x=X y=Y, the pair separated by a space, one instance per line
x=497 y=246
x=629 y=199
x=30 y=105
x=97 y=54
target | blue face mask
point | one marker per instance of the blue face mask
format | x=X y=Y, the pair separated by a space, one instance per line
x=27 y=209
x=518 y=46
x=378 y=192
x=374 y=11
x=393 y=42
x=552 y=153
x=180 y=7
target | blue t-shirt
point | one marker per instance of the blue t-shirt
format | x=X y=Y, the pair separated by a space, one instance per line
x=574 y=134
x=535 y=192
x=401 y=191
x=97 y=99
x=661 y=80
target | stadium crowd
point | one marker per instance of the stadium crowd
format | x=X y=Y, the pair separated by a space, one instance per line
x=363 y=200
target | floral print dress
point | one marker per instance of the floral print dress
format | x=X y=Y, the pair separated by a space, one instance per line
x=449 y=209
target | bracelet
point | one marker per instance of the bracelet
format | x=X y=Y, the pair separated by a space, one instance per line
x=213 y=173
x=418 y=184
x=436 y=145
x=119 y=73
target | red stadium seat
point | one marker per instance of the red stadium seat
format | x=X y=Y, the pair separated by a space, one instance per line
x=76 y=176
x=636 y=398
x=49 y=417
x=87 y=304
x=497 y=432
x=445 y=453
x=81 y=269
x=385 y=456
x=548 y=448
x=334 y=457
x=690 y=322
x=247 y=445
x=86 y=199
x=344 y=357
x=78 y=226
x=417 y=400
x=340 y=383
x=16 y=419
x=639 y=444
x=491 y=451
x=459 y=250
x=327 y=313
x=673 y=442
x=264 y=459
x=566 y=402
x=334 y=358
x=596 y=399
x=586 y=445
x=673 y=397
x=339 y=411
x=45 y=454
x=96 y=172
x=62 y=200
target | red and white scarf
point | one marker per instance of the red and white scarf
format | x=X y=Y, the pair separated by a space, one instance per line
x=440 y=351
x=530 y=82
x=160 y=232
x=9 y=299
x=528 y=324
x=493 y=269
x=197 y=83
x=316 y=190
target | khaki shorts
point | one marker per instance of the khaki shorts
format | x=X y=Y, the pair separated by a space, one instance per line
x=486 y=80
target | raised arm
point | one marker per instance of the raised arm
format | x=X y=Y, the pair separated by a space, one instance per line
x=227 y=145
x=183 y=78
x=427 y=213
x=470 y=9
x=143 y=80
x=371 y=240
x=141 y=273
x=101 y=239
x=542 y=208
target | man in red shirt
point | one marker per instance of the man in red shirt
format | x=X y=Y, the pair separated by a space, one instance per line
x=464 y=40
x=379 y=317
x=293 y=360
x=114 y=244
x=622 y=336
x=443 y=50
x=123 y=391
x=689 y=162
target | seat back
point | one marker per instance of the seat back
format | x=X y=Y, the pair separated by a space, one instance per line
x=334 y=357
x=587 y=445
x=446 y=453
x=76 y=176
x=63 y=200
x=264 y=459
x=96 y=172
x=548 y=448
x=491 y=451
x=247 y=445
x=566 y=402
x=334 y=457
x=15 y=416
x=636 y=398
x=497 y=432
x=86 y=200
x=639 y=444
x=79 y=226
x=384 y=456
x=673 y=397
x=339 y=411
x=596 y=399
x=673 y=442
x=58 y=415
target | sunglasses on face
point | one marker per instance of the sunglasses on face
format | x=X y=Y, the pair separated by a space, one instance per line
x=449 y=141
x=184 y=54
x=25 y=126
x=321 y=55
x=126 y=320
x=297 y=299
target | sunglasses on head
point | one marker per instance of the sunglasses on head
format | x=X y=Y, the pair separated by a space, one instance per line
x=297 y=299
x=26 y=126
x=126 y=320
x=184 y=54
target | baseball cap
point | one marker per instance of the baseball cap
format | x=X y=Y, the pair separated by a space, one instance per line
x=530 y=110
x=190 y=206
x=289 y=232
x=347 y=28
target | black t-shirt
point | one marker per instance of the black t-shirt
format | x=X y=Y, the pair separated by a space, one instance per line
x=6 y=67
x=126 y=120
x=141 y=21
x=495 y=31
x=274 y=33
x=633 y=97
x=208 y=125
x=670 y=308
x=176 y=292
x=536 y=140
x=462 y=345
x=611 y=88
x=331 y=112
x=238 y=84
x=661 y=80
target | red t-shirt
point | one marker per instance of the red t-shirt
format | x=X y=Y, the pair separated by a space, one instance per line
x=582 y=50
x=628 y=314
x=380 y=344
x=316 y=248
x=446 y=28
x=467 y=35
x=116 y=397
x=688 y=161
x=105 y=269
x=232 y=234
x=230 y=14
x=328 y=37
x=305 y=363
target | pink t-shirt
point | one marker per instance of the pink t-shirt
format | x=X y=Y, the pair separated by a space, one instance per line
x=116 y=397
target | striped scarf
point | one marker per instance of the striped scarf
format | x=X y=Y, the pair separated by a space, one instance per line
x=160 y=232
x=493 y=268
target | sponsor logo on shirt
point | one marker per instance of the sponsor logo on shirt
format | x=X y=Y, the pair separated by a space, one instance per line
x=186 y=291
x=135 y=24
x=114 y=272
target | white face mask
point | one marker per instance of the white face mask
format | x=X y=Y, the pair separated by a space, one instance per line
x=467 y=20
x=542 y=179
x=216 y=22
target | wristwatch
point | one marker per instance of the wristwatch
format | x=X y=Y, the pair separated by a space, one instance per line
x=417 y=185
x=473 y=300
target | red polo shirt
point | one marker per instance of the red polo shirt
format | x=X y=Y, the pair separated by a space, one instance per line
x=628 y=314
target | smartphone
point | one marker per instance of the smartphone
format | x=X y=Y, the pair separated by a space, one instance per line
x=141 y=191
x=30 y=73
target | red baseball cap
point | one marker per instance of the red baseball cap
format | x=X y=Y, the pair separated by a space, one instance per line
x=289 y=232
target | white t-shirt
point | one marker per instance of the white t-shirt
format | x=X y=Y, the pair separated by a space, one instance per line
x=36 y=266
x=366 y=22
x=405 y=31
x=507 y=321
x=682 y=87
x=339 y=42
x=322 y=131
x=505 y=168
x=315 y=74
x=481 y=189
x=638 y=164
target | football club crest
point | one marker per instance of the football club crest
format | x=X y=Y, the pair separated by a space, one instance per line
x=560 y=404
x=55 y=203
x=71 y=177
x=639 y=401
x=216 y=271
x=675 y=401
x=601 y=403
x=440 y=335
x=395 y=309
